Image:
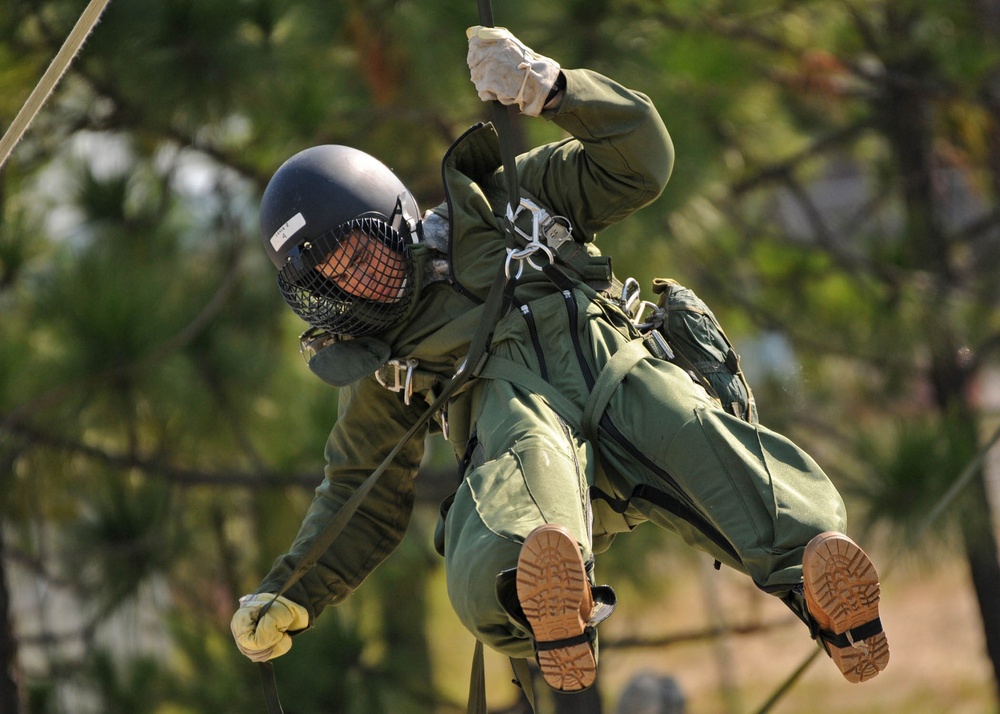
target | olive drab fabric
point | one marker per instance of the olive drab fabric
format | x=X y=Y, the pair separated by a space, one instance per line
x=595 y=179
x=571 y=420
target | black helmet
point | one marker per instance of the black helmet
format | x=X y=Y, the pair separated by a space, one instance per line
x=332 y=209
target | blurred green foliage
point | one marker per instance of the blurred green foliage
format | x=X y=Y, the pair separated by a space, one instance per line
x=835 y=190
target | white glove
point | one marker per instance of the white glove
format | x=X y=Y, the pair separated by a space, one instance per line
x=503 y=68
x=264 y=638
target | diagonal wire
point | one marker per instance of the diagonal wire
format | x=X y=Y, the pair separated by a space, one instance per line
x=958 y=485
x=58 y=66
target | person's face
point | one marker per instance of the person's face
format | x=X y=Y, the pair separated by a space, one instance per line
x=366 y=268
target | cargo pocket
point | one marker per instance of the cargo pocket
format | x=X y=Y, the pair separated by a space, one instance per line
x=529 y=485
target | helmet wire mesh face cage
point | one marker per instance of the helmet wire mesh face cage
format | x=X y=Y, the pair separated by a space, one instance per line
x=354 y=280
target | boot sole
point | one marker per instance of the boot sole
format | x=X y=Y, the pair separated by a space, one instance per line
x=842 y=592
x=552 y=587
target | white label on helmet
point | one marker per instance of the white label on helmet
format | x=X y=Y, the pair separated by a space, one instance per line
x=285 y=233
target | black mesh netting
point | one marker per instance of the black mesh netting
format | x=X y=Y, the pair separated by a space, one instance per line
x=355 y=280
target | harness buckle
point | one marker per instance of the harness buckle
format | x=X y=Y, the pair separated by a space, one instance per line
x=445 y=429
x=399 y=378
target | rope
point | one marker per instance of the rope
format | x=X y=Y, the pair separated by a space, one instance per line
x=84 y=26
x=964 y=479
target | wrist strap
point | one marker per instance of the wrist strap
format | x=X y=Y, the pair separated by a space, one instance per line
x=558 y=86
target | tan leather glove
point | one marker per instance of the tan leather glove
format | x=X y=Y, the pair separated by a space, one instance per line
x=503 y=68
x=264 y=638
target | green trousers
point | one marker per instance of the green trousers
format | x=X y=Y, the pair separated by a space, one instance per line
x=654 y=448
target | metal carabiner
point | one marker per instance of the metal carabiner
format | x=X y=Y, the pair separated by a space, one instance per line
x=398 y=383
x=523 y=255
x=630 y=293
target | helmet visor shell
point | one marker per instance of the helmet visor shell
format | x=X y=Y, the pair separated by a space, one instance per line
x=354 y=280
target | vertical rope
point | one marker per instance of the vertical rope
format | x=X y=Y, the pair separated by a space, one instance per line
x=82 y=29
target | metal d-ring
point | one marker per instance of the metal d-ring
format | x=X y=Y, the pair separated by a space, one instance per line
x=523 y=255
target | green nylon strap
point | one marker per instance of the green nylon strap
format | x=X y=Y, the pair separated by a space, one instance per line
x=493 y=308
x=472 y=364
x=620 y=364
x=583 y=420
x=510 y=371
x=270 y=686
x=523 y=675
x=477 y=682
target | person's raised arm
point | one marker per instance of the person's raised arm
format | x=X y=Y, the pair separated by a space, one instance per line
x=620 y=156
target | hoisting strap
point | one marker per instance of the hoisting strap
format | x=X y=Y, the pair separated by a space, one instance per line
x=502 y=120
x=58 y=66
x=477 y=681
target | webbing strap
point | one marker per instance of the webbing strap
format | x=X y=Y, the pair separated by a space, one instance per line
x=523 y=675
x=270 y=685
x=477 y=682
x=620 y=364
x=509 y=371
x=493 y=308
x=60 y=63
x=585 y=420
x=472 y=365
x=502 y=122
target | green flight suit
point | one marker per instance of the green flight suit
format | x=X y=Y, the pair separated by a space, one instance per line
x=555 y=437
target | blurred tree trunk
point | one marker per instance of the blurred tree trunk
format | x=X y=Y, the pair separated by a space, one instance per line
x=906 y=119
x=10 y=678
x=981 y=546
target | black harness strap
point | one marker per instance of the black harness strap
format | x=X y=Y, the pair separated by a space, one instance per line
x=673 y=505
x=502 y=121
x=270 y=685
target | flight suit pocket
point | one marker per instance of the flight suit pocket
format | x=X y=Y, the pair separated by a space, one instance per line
x=529 y=485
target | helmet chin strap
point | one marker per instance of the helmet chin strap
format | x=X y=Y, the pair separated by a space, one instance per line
x=402 y=221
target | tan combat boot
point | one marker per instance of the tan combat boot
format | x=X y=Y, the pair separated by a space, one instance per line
x=556 y=597
x=841 y=590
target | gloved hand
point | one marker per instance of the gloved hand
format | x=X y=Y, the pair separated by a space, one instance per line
x=264 y=638
x=503 y=68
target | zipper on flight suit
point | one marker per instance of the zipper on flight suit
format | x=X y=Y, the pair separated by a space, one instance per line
x=574 y=331
x=677 y=503
x=529 y=318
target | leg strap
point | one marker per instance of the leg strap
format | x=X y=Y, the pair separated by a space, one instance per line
x=586 y=419
x=620 y=364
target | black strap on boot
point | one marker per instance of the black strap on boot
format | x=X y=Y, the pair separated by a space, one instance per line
x=605 y=601
x=796 y=602
x=856 y=634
